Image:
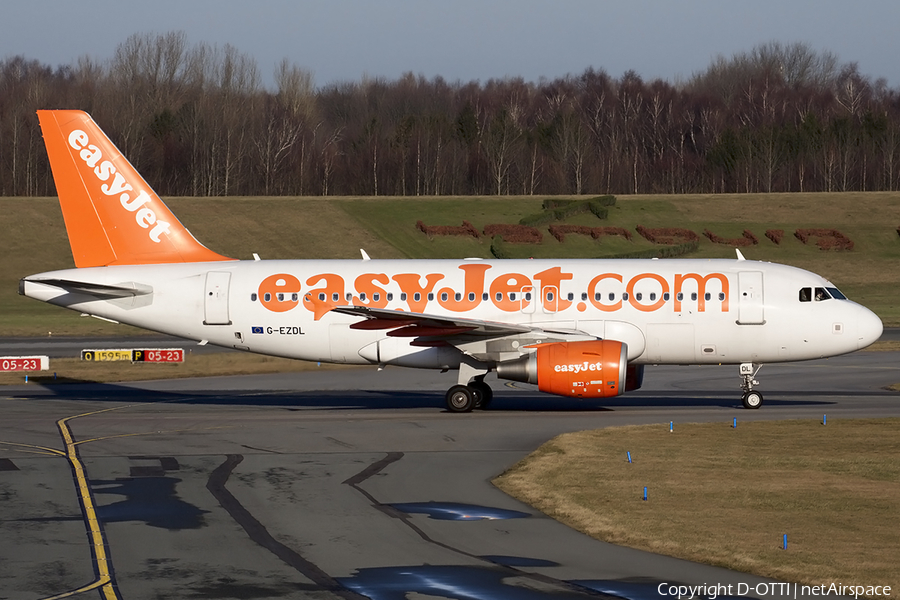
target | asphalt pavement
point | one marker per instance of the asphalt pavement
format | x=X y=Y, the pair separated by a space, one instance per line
x=346 y=484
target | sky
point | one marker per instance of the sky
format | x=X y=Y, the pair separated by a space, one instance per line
x=464 y=40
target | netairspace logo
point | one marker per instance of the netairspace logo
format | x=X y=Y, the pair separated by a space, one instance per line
x=762 y=590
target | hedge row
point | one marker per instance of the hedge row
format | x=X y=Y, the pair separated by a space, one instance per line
x=775 y=235
x=667 y=235
x=664 y=252
x=517 y=234
x=467 y=229
x=560 y=231
x=829 y=239
x=748 y=239
x=558 y=210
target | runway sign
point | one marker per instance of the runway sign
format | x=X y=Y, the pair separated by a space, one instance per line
x=24 y=363
x=105 y=355
x=160 y=355
x=148 y=355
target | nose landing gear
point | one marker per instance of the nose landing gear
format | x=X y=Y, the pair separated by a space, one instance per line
x=751 y=398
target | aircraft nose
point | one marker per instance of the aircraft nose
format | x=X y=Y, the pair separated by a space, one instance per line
x=869 y=328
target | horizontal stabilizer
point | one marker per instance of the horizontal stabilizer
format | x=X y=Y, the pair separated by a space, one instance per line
x=99 y=290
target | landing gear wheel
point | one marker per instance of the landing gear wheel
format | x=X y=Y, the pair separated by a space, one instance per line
x=483 y=393
x=460 y=398
x=752 y=399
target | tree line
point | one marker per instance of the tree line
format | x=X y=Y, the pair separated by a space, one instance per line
x=197 y=121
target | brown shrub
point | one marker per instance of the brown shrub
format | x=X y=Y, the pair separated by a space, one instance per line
x=433 y=230
x=775 y=235
x=828 y=239
x=667 y=235
x=515 y=234
x=748 y=239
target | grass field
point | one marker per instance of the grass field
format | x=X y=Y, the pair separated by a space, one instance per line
x=34 y=239
x=726 y=496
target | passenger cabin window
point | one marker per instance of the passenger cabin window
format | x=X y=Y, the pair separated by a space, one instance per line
x=252 y=297
x=430 y=297
x=321 y=296
x=471 y=296
x=335 y=297
x=402 y=296
x=417 y=297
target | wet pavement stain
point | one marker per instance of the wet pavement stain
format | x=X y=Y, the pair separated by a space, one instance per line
x=454 y=511
x=152 y=500
x=453 y=582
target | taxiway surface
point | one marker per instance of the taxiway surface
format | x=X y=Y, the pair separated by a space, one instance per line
x=343 y=484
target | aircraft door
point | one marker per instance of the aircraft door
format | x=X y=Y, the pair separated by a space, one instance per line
x=215 y=298
x=750 y=298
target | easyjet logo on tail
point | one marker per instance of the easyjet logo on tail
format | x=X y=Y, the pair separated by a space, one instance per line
x=103 y=170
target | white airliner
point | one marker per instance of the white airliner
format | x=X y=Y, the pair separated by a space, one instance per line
x=581 y=328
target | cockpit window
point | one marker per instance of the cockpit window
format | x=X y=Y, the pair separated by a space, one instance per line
x=822 y=294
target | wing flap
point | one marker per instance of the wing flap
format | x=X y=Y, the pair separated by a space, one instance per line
x=406 y=324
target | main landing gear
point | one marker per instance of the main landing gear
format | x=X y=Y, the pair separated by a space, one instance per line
x=751 y=398
x=471 y=392
x=464 y=398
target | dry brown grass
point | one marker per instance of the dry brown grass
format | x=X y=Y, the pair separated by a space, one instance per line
x=74 y=370
x=726 y=496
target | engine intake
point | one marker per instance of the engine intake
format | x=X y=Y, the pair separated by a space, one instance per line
x=595 y=369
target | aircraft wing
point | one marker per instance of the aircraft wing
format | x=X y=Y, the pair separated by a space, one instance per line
x=407 y=324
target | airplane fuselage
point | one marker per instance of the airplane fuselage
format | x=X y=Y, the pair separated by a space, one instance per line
x=666 y=311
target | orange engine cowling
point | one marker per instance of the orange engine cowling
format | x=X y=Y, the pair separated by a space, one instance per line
x=595 y=369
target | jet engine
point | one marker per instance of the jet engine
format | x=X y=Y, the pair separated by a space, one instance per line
x=594 y=369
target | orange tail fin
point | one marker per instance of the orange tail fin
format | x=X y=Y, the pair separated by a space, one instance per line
x=112 y=216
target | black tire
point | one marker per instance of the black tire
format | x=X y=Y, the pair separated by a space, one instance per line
x=460 y=398
x=752 y=400
x=483 y=393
